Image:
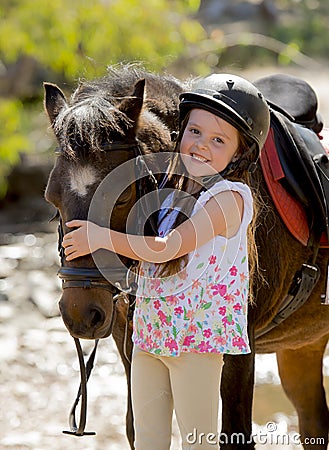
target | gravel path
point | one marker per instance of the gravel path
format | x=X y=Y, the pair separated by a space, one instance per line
x=39 y=367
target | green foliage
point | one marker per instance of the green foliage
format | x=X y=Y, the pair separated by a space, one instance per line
x=12 y=137
x=79 y=38
x=304 y=28
x=295 y=34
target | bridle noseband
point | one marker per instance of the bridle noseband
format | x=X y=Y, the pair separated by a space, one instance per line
x=124 y=283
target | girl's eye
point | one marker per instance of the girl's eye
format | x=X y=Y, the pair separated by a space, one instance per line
x=219 y=140
x=194 y=131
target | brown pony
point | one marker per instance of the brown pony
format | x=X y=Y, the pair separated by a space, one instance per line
x=97 y=131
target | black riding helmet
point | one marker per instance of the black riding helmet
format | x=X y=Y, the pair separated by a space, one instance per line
x=235 y=100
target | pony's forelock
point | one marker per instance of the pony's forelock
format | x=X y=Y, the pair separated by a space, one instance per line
x=85 y=126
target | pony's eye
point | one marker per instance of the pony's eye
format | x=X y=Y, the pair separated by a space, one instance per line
x=58 y=151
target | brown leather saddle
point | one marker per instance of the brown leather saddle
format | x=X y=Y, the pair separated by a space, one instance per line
x=300 y=150
x=295 y=166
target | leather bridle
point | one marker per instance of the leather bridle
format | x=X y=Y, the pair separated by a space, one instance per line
x=83 y=277
x=122 y=282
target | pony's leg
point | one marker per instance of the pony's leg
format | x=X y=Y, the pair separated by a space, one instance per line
x=122 y=338
x=301 y=376
x=237 y=386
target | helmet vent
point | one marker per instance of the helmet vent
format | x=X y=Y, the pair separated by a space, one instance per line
x=230 y=84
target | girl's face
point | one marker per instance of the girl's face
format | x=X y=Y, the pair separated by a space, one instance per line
x=208 y=143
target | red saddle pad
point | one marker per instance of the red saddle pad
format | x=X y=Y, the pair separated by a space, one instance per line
x=291 y=211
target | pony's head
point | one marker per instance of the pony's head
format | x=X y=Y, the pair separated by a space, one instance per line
x=106 y=123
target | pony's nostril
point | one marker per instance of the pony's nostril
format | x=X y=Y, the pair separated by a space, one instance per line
x=97 y=317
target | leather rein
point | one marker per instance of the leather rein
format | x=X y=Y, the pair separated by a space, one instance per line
x=87 y=278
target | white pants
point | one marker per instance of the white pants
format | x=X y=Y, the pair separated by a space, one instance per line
x=189 y=384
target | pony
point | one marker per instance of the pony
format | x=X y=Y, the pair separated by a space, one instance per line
x=97 y=130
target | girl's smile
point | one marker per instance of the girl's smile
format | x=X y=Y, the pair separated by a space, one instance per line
x=208 y=144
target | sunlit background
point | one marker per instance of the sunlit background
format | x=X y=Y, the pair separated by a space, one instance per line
x=65 y=41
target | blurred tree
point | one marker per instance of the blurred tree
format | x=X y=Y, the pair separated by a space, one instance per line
x=304 y=27
x=258 y=31
x=12 y=139
x=79 y=38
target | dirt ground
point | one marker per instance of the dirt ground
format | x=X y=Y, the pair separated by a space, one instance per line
x=39 y=368
x=38 y=364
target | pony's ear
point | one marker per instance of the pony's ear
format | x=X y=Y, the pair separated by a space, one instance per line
x=54 y=100
x=132 y=105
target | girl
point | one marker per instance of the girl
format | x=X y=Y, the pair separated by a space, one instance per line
x=191 y=304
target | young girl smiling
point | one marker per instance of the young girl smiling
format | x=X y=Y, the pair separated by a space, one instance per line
x=191 y=302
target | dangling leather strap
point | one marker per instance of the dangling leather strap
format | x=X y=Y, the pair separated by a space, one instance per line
x=85 y=371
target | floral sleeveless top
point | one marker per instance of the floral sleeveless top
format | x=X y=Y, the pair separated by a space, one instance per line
x=203 y=308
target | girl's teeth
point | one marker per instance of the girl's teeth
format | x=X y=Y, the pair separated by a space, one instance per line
x=199 y=158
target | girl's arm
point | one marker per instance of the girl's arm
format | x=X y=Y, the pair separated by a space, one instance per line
x=221 y=215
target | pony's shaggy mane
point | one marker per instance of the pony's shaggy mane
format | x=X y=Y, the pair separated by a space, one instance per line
x=93 y=117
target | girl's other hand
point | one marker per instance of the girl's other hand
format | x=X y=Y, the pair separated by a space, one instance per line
x=84 y=240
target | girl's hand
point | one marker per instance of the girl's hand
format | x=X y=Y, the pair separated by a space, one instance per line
x=82 y=241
